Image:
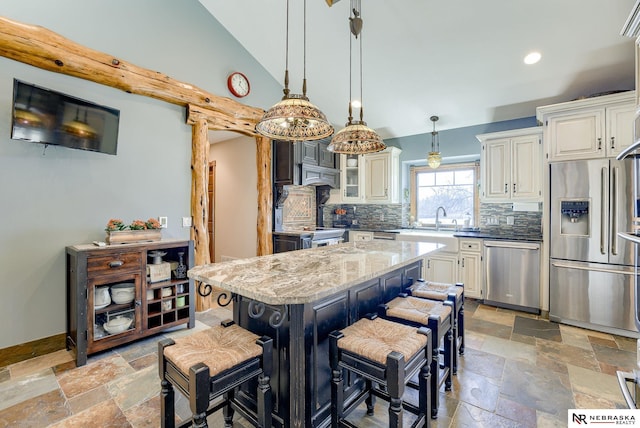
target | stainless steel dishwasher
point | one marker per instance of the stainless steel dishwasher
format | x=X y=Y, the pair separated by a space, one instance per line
x=512 y=275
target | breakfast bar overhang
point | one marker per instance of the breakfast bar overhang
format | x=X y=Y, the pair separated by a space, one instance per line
x=297 y=298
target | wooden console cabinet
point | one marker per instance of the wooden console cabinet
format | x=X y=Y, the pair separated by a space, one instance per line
x=155 y=307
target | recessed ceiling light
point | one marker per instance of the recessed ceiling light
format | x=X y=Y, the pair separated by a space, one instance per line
x=532 y=58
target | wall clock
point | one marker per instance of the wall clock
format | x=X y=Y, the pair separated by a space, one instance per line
x=238 y=84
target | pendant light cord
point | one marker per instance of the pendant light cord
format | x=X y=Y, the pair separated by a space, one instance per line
x=350 y=73
x=286 y=55
x=304 y=50
x=361 y=100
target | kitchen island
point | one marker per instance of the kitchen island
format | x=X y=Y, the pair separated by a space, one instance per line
x=298 y=298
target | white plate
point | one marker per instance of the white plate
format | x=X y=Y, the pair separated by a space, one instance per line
x=101 y=306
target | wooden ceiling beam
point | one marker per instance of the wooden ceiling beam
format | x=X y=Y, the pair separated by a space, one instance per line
x=43 y=48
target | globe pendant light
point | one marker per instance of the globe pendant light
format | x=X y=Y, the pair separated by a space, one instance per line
x=294 y=118
x=356 y=137
x=434 y=158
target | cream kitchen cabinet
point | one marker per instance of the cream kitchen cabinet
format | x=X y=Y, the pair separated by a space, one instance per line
x=441 y=267
x=372 y=178
x=381 y=177
x=511 y=165
x=360 y=235
x=599 y=127
x=470 y=273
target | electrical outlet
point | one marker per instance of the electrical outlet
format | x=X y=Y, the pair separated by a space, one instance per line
x=381 y=217
x=164 y=222
x=186 y=221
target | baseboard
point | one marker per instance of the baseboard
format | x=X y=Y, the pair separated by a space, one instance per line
x=35 y=348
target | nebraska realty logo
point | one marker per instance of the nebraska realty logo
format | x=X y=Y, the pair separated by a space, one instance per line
x=604 y=417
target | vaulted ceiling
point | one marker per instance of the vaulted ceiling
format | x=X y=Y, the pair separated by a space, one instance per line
x=461 y=60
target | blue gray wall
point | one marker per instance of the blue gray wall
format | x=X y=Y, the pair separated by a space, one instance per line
x=58 y=197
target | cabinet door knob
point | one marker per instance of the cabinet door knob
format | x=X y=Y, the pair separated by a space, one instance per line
x=506 y=187
x=613 y=142
x=514 y=187
x=599 y=143
x=116 y=263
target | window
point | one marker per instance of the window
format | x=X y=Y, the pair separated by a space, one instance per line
x=453 y=187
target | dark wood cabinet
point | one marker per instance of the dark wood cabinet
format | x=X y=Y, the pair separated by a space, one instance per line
x=101 y=315
x=285 y=242
x=326 y=158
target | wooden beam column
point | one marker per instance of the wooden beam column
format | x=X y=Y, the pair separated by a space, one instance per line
x=265 y=196
x=199 y=203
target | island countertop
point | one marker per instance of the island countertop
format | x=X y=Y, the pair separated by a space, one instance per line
x=304 y=276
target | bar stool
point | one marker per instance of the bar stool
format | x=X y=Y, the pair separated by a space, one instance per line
x=441 y=291
x=438 y=317
x=212 y=363
x=387 y=355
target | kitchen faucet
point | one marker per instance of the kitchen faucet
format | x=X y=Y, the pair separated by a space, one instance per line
x=444 y=214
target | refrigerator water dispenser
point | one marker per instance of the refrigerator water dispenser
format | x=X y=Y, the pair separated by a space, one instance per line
x=574 y=219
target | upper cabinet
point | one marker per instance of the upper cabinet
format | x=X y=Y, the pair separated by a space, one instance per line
x=371 y=178
x=381 y=176
x=598 y=127
x=511 y=165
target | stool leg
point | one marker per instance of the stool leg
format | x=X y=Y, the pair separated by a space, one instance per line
x=424 y=395
x=265 y=405
x=371 y=399
x=395 y=386
x=227 y=410
x=337 y=391
x=454 y=309
x=448 y=358
x=167 y=410
x=199 y=394
x=461 y=327
x=167 y=407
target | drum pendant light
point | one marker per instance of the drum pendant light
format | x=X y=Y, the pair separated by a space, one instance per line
x=294 y=118
x=356 y=137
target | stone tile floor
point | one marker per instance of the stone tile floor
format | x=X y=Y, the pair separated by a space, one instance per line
x=517 y=371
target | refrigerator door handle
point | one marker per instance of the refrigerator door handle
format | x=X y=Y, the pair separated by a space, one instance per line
x=590 y=268
x=603 y=207
x=614 y=211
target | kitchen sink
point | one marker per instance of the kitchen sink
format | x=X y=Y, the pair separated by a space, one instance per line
x=423 y=235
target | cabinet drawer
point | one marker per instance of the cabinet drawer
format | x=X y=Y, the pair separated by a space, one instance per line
x=114 y=263
x=471 y=245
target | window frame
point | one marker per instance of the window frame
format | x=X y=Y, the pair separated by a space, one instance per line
x=413 y=177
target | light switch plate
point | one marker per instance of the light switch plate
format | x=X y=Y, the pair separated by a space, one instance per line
x=164 y=222
x=186 y=221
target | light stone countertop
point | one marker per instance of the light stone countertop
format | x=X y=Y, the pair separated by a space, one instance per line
x=304 y=276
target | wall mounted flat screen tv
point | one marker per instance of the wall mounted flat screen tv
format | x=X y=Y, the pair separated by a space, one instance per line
x=48 y=117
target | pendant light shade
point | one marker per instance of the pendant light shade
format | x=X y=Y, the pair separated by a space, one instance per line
x=295 y=118
x=79 y=128
x=434 y=158
x=356 y=137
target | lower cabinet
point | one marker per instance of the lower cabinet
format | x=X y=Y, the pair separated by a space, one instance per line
x=360 y=235
x=284 y=242
x=124 y=292
x=470 y=256
x=441 y=267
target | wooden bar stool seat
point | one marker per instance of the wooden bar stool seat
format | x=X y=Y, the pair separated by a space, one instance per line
x=386 y=355
x=210 y=364
x=438 y=317
x=442 y=291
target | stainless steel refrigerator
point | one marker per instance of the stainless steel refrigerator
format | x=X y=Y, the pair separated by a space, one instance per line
x=591 y=267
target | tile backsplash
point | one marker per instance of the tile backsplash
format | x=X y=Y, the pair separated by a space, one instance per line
x=366 y=216
x=390 y=216
x=500 y=219
x=299 y=208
